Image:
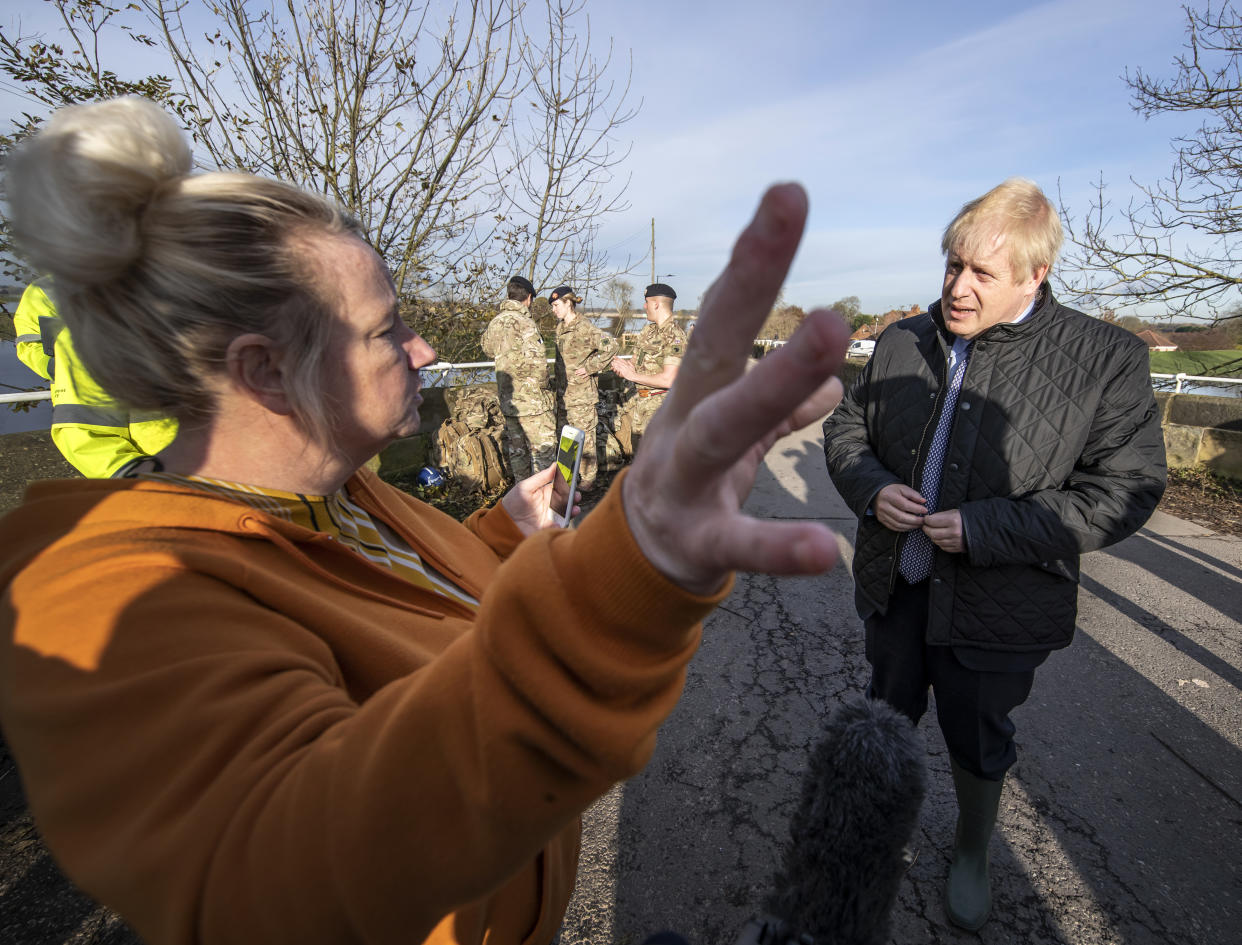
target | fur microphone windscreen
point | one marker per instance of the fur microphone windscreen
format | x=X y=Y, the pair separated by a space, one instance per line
x=860 y=803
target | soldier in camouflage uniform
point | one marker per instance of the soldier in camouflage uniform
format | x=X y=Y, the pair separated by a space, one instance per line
x=513 y=341
x=582 y=351
x=657 y=355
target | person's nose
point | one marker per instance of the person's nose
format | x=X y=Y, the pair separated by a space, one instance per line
x=420 y=353
x=960 y=285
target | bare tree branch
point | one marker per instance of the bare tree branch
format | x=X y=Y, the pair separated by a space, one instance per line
x=566 y=176
x=401 y=110
x=1178 y=242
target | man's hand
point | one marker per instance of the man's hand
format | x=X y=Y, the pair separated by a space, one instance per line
x=529 y=502
x=623 y=367
x=945 y=531
x=899 y=508
x=699 y=456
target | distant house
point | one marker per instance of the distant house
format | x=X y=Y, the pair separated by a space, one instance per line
x=1156 y=341
x=896 y=315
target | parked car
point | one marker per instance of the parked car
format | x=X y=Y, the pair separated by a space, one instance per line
x=860 y=348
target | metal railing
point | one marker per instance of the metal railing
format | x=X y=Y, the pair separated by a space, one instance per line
x=439 y=367
x=25 y=395
x=449 y=366
x=1196 y=378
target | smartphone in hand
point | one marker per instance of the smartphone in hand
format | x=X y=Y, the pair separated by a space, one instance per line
x=565 y=479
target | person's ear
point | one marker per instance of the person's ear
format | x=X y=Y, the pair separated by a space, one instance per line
x=254 y=367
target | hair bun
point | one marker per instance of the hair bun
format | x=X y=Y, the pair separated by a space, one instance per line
x=78 y=189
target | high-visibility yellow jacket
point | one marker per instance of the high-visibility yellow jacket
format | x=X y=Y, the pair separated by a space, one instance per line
x=95 y=433
x=36 y=325
x=98 y=436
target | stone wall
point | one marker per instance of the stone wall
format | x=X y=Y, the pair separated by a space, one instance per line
x=1202 y=429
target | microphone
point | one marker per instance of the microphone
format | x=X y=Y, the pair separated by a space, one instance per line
x=860 y=803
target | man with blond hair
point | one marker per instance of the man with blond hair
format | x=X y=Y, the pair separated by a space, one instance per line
x=987 y=444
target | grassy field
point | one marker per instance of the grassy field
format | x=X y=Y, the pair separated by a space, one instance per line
x=1203 y=363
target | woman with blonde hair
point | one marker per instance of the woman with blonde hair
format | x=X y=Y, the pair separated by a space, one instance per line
x=257 y=695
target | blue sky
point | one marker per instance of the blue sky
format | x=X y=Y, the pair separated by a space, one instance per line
x=892 y=113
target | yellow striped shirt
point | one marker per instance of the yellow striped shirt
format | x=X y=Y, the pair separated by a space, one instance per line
x=341 y=518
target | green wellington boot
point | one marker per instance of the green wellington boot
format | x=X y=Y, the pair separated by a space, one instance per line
x=968 y=898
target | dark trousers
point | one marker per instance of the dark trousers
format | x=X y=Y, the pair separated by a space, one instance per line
x=972 y=705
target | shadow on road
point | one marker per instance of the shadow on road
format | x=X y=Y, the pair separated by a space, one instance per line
x=1120 y=823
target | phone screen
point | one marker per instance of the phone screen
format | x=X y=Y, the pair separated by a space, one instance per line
x=563 y=486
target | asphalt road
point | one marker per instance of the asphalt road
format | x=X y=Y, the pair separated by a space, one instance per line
x=1121 y=823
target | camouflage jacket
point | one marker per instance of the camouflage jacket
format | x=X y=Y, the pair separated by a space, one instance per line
x=581 y=345
x=657 y=346
x=514 y=342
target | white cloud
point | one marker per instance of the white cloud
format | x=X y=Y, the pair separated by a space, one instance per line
x=891 y=150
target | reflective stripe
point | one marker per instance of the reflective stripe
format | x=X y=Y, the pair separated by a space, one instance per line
x=49 y=327
x=26 y=339
x=89 y=416
x=147 y=418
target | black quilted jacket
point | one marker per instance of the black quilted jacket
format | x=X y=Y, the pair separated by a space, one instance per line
x=1056 y=449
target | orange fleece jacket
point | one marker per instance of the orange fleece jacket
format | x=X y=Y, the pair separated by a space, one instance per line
x=232 y=729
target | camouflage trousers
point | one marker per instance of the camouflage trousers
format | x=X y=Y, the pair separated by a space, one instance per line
x=583 y=415
x=635 y=414
x=530 y=441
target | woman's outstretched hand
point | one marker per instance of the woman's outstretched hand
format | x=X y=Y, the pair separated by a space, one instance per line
x=698 y=457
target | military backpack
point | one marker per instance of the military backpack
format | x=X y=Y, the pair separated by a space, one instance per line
x=468 y=444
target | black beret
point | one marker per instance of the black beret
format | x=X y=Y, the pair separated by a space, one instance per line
x=523 y=282
x=562 y=292
x=660 y=288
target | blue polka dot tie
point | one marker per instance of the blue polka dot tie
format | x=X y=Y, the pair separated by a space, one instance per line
x=918 y=551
